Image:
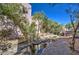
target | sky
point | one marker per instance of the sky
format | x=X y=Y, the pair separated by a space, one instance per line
x=56 y=13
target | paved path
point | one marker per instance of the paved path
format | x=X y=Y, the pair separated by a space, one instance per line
x=60 y=47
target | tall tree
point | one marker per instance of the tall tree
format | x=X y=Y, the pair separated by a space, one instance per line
x=39 y=18
x=47 y=25
x=74 y=17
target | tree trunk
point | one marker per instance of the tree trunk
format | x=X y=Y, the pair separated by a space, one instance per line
x=73 y=41
x=74 y=32
x=32 y=47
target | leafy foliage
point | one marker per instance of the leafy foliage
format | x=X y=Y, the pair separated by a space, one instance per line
x=69 y=25
x=47 y=25
x=13 y=12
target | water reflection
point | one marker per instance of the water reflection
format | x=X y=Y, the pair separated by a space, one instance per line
x=41 y=48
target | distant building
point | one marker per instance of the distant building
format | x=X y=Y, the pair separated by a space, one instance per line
x=66 y=32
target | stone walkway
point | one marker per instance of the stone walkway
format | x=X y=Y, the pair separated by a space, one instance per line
x=60 y=47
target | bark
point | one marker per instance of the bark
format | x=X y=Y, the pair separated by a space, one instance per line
x=73 y=41
x=74 y=32
x=73 y=38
